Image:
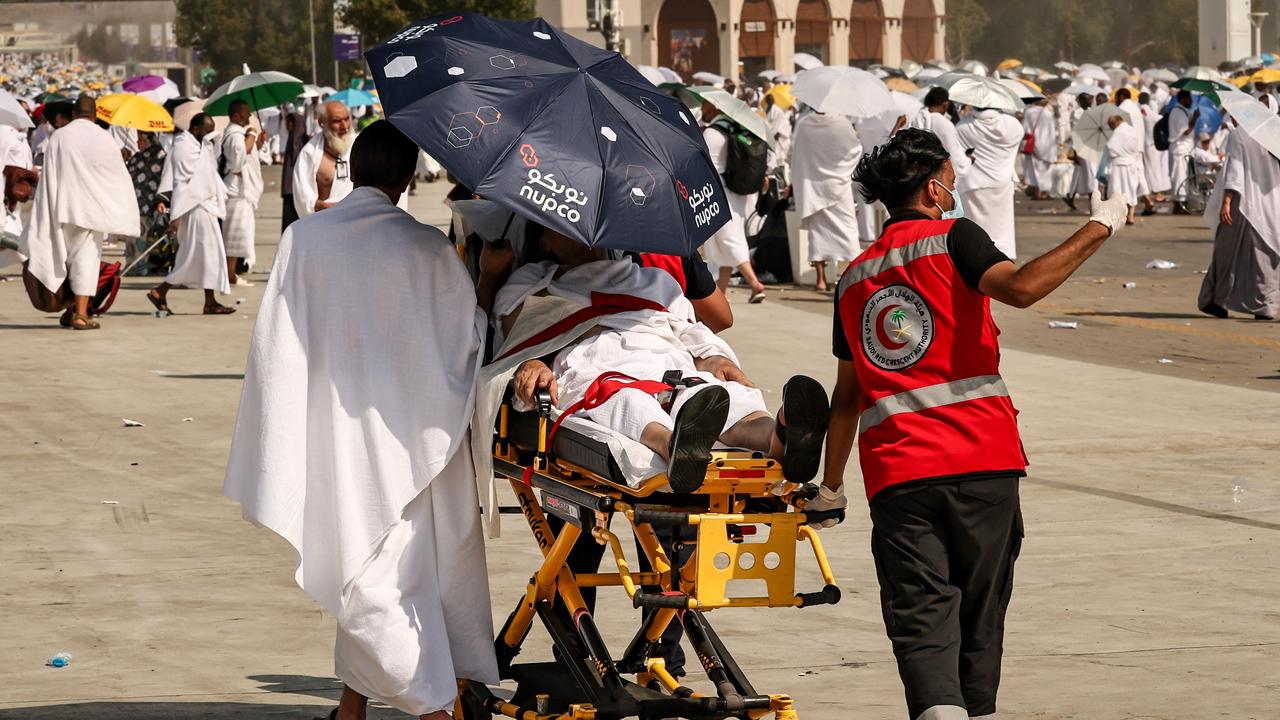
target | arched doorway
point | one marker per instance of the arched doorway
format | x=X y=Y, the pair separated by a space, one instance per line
x=688 y=39
x=813 y=29
x=755 y=37
x=918 y=21
x=866 y=32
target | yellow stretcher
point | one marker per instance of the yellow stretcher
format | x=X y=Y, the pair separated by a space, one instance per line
x=743 y=500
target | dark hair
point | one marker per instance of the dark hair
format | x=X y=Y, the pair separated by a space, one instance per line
x=382 y=156
x=936 y=96
x=85 y=107
x=236 y=105
x=894 y=172
x=1184 y=94
x=1123 y=94
x=198 y=120
x=1144 y=98
x=57 y=109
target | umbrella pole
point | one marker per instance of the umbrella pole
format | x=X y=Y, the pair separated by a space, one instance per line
x=143 y=255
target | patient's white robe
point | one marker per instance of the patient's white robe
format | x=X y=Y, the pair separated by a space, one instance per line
x=825 y=153
x=198 y=201
x=84 y=194
x=244 y=189
x=642 y=344
x=987 y=187
x=351 y=443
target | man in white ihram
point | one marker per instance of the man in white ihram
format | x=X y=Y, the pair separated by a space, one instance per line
x=85 y=193
x=987 y=188
x=1037 y=166
x=322 y=173
x=242 y=164
x=1182 y=141
x=352 y=443
x=1124 y=173
x=823 y=159
x=934 y=117
x=197 y=202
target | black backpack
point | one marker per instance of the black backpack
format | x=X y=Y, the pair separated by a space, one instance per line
x=1160 y=133
x=748 y=158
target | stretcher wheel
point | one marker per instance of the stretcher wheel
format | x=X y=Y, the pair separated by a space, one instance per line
x=469 y=707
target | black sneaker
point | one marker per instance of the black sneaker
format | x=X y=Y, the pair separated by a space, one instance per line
x=1215 y=310
x=697 y=427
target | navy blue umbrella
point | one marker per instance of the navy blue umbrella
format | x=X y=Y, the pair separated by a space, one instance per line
x=562 y=132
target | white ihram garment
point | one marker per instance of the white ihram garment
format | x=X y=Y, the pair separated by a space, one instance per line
x=198 y=201
x=643 y=344
x=351 y=443
x=825 y=153
x=84 y=194
x=941 y=126
x=13 y=228
x=244 y=190
x=305 y=189
x=728 y=247
x=1181 y=143
x=1244 y=274
x=987 y=188
x=1155 y=162
x=1037 y=167
x=779 y=123
x=872 y=133
x=1124 y=172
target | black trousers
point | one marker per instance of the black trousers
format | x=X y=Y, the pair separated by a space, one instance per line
x=944 y=554
x=288 y=213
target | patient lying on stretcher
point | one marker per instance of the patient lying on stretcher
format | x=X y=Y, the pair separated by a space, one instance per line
x=643 y=328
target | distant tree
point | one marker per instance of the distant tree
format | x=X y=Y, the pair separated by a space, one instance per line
x=263 y=34
x=378 y=20
x=965 y=22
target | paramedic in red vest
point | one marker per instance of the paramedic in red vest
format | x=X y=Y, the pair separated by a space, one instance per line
x=919 y=378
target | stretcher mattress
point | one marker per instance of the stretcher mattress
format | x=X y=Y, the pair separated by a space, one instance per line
x=592 y=447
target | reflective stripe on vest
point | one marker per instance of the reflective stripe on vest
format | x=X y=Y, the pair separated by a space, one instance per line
x=982 y=386
x=896 y=257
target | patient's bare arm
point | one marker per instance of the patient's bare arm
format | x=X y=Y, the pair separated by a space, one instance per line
x=723 y=368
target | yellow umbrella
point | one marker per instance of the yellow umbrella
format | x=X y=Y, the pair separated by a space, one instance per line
x=1009 y=64
x=901 y=85
x=1031 y=85
x=135 y=111
x=1241 y=80
x=782 y=96
x=1265 y=75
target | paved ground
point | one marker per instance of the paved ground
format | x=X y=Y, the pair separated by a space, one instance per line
x=1147 y=587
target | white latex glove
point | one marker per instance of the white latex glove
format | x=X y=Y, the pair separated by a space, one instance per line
x=826 y=499
x=1111 y=212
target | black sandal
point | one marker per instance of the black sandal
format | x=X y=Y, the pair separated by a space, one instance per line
x=160 y=305
x=807 y=409
x=697 y=427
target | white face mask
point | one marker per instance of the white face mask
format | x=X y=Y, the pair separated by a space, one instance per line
x=957 y=207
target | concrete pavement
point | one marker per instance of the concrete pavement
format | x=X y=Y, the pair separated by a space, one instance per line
x=1147 y=587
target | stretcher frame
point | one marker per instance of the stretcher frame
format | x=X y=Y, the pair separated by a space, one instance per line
x=585 y=682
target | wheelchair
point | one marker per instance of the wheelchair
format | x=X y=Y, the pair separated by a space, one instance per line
x=1197 y=189
x=748 y=522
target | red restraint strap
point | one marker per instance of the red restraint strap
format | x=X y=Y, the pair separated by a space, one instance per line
x=598 y=393
x=601 y=304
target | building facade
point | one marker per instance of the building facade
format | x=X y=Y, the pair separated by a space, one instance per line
x=1225 y=31
x=743 y=37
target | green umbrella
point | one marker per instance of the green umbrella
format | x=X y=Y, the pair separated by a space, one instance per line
x=259 y=89
x=736 y=110
x=52 y=97
x=1208 y=88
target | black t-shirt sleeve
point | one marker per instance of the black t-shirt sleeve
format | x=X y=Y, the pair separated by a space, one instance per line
x=839 y=341
x=698 y=283
x=972 y=251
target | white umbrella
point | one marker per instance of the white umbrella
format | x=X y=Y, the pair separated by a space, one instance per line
x=12 y=114
x=975 y=67
x=785 y=79
x=843 y=90
x=670 y=75
x=708 y=78
x=1159 y=75
x=1257 y=119
x=735 y=109
x=310 y=91
x=768 y=74
x=1066 y=66
x=942 y=65
x=1253 y=62
x=1092 y=72
x=805 y=61
x=1113 y=65
x=905 y=104
x=926 y=75
x=1023 y=91
x=1200 y=72
x=651 y=74
x=1088 y=88
x=1117 y=77
x=980 y=92
x=1091 y=132
x=911 y=68
x=880 y=72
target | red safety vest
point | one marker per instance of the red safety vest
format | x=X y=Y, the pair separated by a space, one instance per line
x=927 y=358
